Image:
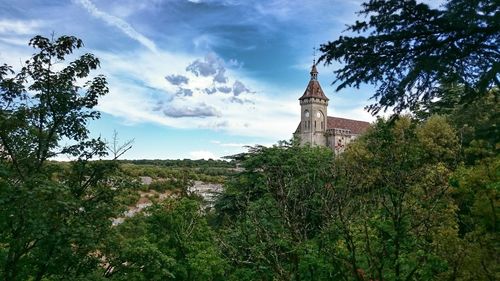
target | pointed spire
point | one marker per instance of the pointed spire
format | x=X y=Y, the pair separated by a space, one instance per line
x=313 y=89
x=314 y=72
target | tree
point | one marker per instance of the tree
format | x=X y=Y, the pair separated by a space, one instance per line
x=382 y=210
x=476 y=192
x=409 y=50
x=271 y=215
x=477 y=122
x=52 y=217
x=171 y=240
x=391 y=203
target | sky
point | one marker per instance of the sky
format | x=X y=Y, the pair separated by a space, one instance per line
x=194 y=78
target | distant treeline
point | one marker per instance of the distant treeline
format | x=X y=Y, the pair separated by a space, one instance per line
x=184 y=163
x=214 y=171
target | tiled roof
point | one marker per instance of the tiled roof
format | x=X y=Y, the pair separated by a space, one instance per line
x=356 y=127
x=313 y=90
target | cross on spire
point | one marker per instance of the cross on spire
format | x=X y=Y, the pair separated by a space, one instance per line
x=314 y=55
x=314 y=71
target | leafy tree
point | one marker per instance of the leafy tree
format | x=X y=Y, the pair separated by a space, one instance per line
x=408 y=50
x=170 y=241
x=476 y=122
x=392 y=204
x=270 y=216
x=476 y=192
x=382 y=210
x=52 y=219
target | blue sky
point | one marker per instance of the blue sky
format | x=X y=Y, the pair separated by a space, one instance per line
x=194 y=79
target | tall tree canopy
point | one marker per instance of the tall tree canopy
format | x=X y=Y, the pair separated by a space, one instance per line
x=409 y=50
x=52 y=218
x=382 y=210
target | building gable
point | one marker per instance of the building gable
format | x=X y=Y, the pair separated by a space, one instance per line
x=355 y=126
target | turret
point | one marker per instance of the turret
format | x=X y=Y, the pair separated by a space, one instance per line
x=313 y=106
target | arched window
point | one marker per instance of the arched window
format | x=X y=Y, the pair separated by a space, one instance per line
x=321 y=118
x=306 y=117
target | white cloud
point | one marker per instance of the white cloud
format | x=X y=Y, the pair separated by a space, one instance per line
x=237 y=145
x=14 y=41
x=19 y=27
x=139 y=92
x=203 y=154
x=358 y=113
x=14 y=35
x=177 y=79
x=14 y=50
x=119 y=23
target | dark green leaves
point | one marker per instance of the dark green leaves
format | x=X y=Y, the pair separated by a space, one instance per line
x=408 y=50
x=52 y=217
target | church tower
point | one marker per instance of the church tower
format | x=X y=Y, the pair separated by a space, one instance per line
x=313 y=107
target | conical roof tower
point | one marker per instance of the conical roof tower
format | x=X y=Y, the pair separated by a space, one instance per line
x=313 y=89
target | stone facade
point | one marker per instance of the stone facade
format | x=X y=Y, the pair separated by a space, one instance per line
x=317 y=128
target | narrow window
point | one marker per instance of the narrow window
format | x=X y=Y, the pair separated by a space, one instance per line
x=314 y=124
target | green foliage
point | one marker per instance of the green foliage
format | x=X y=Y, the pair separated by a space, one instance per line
x=419 y=200
x=392 y=216
x=476 y=191
x=55 y=218
x=476 y=121
x=164 y=185
x=381 y=210
x=176 y=170
x=271 y=214
x=409 y=50
x=409 y=200
x=52 y=217
x=172 y=242
x=185 y=163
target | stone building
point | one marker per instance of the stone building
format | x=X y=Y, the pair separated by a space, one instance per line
x=316 y=127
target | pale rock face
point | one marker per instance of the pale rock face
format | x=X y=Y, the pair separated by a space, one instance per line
x=146 y=180
x=208 y=191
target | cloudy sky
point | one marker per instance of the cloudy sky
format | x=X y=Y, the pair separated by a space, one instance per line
x=194 y=78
